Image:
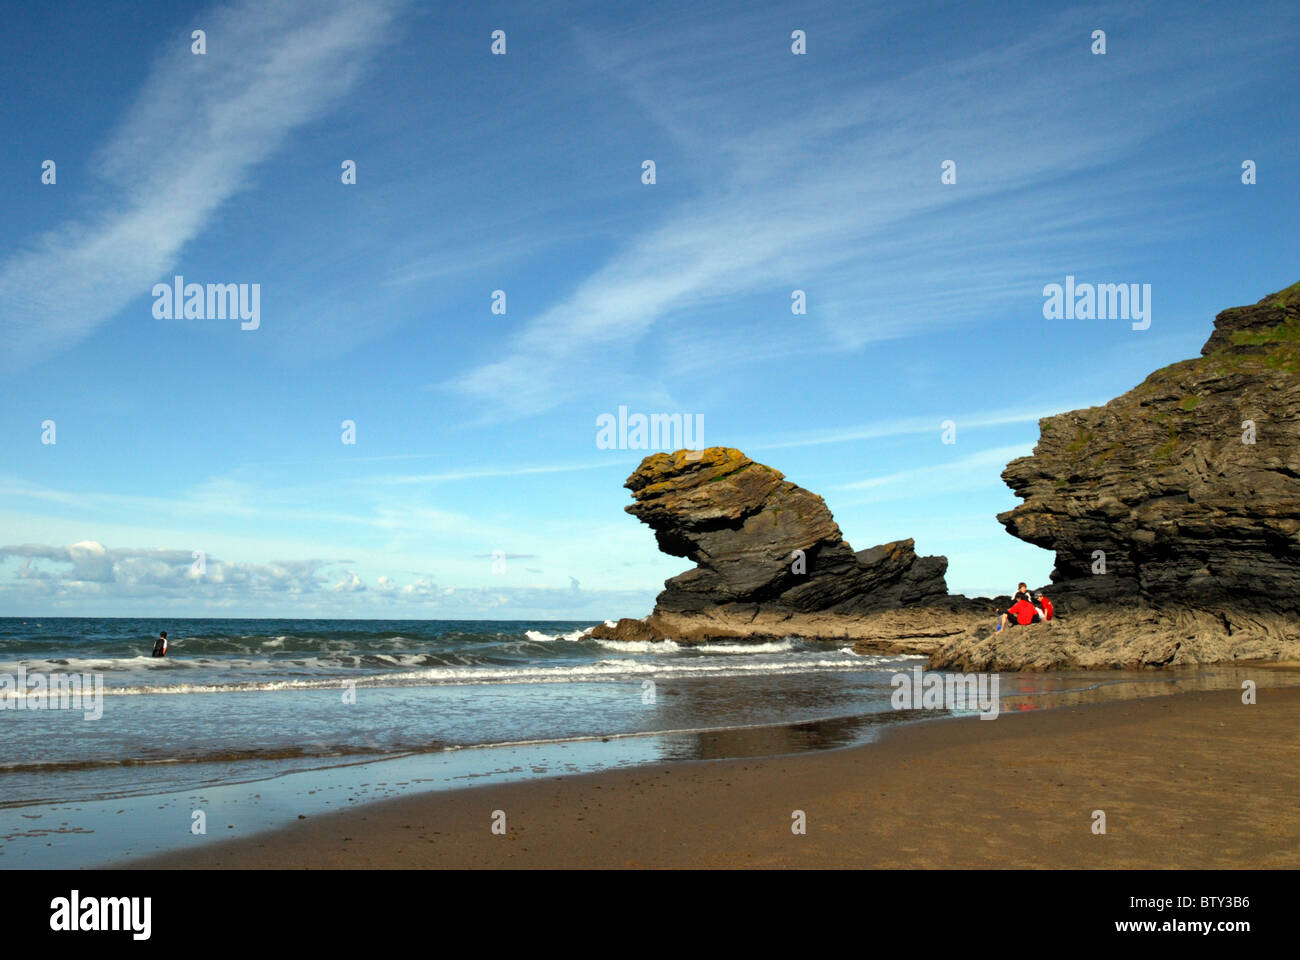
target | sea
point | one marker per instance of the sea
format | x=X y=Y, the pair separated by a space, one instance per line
x=285 y=716
x=239 y=698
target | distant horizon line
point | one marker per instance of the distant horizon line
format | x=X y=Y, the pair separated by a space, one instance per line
x=65 y=616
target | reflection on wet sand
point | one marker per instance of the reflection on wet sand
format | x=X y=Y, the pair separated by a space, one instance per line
x=794 y=738
x=1019 y=692
x=1036 y=691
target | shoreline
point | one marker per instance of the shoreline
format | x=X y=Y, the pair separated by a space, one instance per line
x=1186 y=780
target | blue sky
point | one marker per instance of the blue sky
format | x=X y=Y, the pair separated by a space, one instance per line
x=475 y=431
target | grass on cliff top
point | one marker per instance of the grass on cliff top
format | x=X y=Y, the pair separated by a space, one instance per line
x=1284 y=339
x=1288 y=296
x=1167 y=376
x=1286 y=332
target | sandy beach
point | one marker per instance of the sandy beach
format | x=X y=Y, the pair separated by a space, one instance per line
x=1195 y=780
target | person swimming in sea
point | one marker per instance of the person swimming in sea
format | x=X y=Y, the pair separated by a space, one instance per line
x=160 y=645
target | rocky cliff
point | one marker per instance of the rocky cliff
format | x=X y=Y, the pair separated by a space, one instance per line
x=770 y=559
x=1173 y=510
x=1186 y=489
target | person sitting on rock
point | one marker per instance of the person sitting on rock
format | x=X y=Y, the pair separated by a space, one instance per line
x=1021 y=613
x=1044 y=607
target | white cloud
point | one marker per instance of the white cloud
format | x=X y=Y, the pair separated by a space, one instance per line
x=836 y=190
x=107 y=580
x=89 y=561
x=967 y=472
x=189 y=143
x=157 y=571
x=915 y=426
x=454 y=475
x=351 y=583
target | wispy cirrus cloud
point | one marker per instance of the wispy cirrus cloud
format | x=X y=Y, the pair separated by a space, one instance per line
x=831 y=184
x=450 y=476
x=190 y=142
x=966 y=471
x=915 y=426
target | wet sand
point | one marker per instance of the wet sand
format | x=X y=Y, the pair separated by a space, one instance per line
x=1192 y=780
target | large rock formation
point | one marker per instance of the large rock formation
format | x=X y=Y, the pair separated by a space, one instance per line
x=1174 y=512
x=770 y=559
x=1163 y=482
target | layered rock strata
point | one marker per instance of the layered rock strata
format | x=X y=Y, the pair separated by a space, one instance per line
x=770 y=559
x=1173 y=512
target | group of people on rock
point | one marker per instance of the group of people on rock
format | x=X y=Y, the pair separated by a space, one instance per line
x=1024 y=610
